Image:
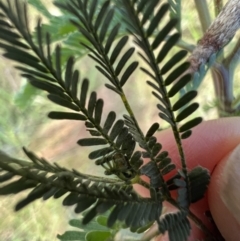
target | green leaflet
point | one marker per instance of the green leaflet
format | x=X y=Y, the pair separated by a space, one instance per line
x=105 y=25
x=5 y=177
x=109 y=121
x=179 y=85
x=176 y=58
x=34 y=195
x=167 y=47
x=60 y=101
x=116 y=130
x=111 y=37
x=101 y=15
x=187 y=111
x=152 y=130
x=177 y=225
x=124 y=60
x=98 y=235
x=176 y=73
x=190 y=124
x=84 y=90
x=118 y=48
x=156 y=19
x=130 y=69
x=16 y=187
x=163 y=33
x=184 y=100
x=199 y=180
x=57 y=115
x=98 y=111
x=148 y=10
x=92 y=142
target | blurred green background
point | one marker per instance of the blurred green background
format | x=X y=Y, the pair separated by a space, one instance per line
x=23 y=122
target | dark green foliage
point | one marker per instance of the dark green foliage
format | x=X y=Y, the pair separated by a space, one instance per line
x=199 y=179
x=177 y=225
x=123 y=145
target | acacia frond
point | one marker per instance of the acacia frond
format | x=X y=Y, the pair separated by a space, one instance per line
x=97 y=196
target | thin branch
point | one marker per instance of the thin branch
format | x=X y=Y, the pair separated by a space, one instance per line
x=203 y=14
x=220 y=32
x=233 y=56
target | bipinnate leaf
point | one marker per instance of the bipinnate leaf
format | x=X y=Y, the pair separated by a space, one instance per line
x=199 y=178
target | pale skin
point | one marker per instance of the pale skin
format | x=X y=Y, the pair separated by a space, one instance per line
x=210 y=146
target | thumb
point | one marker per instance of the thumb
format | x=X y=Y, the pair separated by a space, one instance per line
x=224 y=195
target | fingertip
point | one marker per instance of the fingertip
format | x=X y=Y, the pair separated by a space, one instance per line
x=224 y=196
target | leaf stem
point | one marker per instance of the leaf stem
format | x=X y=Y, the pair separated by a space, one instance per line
x=160 y=81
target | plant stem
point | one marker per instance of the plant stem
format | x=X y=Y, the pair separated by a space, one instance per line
x=203 y=14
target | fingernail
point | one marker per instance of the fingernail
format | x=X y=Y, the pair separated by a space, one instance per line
x=230 y=191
